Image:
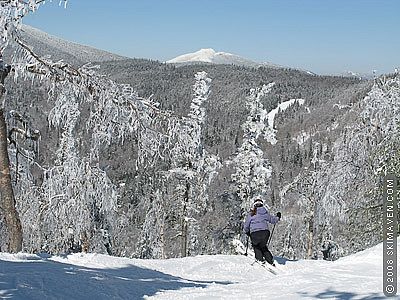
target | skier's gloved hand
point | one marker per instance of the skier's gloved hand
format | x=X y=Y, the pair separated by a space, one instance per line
x=279 y=215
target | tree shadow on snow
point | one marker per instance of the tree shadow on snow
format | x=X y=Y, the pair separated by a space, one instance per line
x=331 y=294
x=45 y=279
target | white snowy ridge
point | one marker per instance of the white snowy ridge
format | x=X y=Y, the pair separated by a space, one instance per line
x=209 y=55
x=82 y=52
x=96 y=276
x=203 y=55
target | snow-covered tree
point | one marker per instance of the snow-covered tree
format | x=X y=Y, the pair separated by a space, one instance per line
x=253 y=170
x=152 y=241
x=75 y=195
x=371 y=149
x=381 y=116
x=345 y=192
x=192 y=166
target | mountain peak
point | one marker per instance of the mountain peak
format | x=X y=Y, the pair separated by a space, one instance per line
x=209 y=55
x=209 y=51
x=203 y=55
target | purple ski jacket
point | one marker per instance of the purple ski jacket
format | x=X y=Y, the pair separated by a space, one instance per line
x=259 y=221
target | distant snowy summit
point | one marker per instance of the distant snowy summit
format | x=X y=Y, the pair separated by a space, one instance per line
x=220 y=58
x=203 y=55
x=360 y=76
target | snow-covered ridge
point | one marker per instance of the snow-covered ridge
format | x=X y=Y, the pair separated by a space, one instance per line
x=45 y=44
x=209 y=55
x=96 y=276
x=203 y=55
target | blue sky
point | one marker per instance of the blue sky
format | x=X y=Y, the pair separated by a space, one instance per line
x=324 y=36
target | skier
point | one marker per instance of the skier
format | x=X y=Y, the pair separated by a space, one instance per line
x=256 y=226
x=329 y=250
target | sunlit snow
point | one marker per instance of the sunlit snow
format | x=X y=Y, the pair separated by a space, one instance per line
x=96 y=276
x=203 y=55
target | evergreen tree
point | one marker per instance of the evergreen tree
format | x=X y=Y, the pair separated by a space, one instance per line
x=252 y=169
x=193 y=167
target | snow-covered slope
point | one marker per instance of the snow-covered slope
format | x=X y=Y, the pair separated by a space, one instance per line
x=211 y=56
x=95 y=276
x=46 y=44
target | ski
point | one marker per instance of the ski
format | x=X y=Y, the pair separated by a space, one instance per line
x=266 y=266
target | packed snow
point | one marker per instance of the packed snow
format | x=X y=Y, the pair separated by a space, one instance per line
x=96 y=276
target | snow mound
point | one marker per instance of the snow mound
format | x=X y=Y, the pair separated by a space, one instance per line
x=96 y=276
x=19 y=257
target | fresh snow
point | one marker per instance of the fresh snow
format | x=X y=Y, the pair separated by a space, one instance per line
x=96 y=276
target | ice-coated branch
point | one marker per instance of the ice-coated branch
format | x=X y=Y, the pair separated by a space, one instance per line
x=75 y=193
x=11 y=14
x=116 y=110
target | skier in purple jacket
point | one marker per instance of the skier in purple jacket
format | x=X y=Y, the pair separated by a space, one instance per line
x=256 y=226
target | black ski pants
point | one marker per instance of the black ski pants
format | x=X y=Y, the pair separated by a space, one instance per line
x=259 y=240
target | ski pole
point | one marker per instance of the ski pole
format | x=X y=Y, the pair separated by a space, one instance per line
x=270 y=237
x=247 y=245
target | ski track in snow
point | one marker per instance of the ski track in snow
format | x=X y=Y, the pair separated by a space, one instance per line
x=96 y=276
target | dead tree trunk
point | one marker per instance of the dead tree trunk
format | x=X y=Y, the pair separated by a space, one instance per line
x=7 y=200
x=184 y=224
x=310 y=238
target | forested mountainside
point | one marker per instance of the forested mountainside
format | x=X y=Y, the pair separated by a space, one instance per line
x=45 y=44
x=319 y=161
